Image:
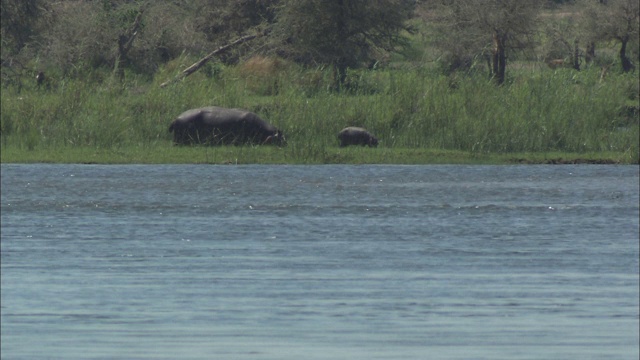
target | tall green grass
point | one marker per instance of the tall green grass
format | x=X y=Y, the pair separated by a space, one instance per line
x=535 y=111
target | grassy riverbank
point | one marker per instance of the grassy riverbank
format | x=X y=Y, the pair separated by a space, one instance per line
x=419 y=115
x=164 y=154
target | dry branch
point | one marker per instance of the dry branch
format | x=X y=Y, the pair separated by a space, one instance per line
x=125 y=41
x=193 y=68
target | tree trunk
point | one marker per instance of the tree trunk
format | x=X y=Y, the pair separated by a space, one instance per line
x=626 y=63
x=499 y=57
x=340 y=65
x=590 y=53
x=125 y=41
x=576 y=55
x=339 y=74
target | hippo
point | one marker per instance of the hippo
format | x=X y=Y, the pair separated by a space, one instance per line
x=214 y=125
x=356 y=136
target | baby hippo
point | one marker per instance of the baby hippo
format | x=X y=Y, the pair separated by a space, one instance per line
x=356 y=136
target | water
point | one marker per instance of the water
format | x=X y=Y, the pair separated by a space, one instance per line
x=319 y=262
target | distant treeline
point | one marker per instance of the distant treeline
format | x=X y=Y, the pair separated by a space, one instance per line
x=74 y=38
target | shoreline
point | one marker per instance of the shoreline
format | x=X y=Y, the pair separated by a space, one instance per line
x=295 y=155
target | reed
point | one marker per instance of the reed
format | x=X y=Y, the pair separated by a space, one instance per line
x=536 y=111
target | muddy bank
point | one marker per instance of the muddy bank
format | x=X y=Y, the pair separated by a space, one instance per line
x=561 y=161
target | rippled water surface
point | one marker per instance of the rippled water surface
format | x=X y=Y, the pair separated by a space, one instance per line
x=319 y=262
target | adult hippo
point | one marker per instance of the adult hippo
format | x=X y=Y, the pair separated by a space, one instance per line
x=356 y=136
x=221 y=126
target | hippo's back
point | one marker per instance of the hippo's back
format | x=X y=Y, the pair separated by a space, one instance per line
x=353 y=135
x=212 y=113
x=218 y=125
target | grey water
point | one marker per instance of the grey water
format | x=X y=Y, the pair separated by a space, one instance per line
x=319 y=262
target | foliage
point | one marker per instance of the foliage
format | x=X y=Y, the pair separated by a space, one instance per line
x=18 y=18
x=73 y=38
x=223 y=20
x=615 y=20
x=559 y=38
x=85 y=36
x=343 y=33
x=469 y=27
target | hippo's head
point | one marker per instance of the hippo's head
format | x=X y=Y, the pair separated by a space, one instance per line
x=276 y=139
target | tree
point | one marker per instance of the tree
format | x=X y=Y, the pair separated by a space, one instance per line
x=341 y=33
x=562 y=40
x=17 y=22
x=136 y=35
x=222 y=21
x=501 y=25
x=83 y=35
x=20 y=21
x=614 y=20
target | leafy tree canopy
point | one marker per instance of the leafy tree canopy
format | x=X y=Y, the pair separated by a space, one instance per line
x=343 y=33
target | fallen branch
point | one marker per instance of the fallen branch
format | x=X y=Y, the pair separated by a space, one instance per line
x=193 y=68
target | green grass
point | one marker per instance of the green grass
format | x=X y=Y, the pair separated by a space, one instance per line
x=164 y=153
x=420 y=117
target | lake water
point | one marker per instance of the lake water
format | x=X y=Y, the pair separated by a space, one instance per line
x=320 y=262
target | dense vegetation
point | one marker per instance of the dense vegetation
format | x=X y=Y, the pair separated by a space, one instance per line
x=427 y=100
